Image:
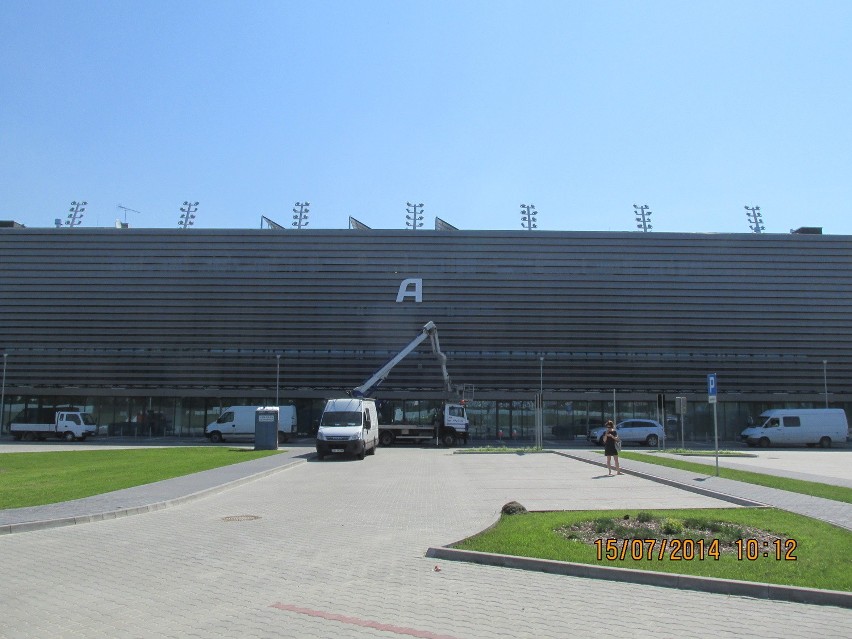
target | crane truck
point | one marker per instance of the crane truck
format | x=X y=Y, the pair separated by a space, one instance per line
x=449 y=426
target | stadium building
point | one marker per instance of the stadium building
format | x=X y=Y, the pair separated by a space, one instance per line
x=156 y=330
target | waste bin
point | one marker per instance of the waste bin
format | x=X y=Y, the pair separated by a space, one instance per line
x=266 y=428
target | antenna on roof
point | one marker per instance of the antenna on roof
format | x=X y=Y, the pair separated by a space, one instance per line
x=126 y=210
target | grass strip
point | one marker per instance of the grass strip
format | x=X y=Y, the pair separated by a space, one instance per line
x=815 y=489
x=499 y=449
x=692 y=452
x=35 y=479
x=818 y=546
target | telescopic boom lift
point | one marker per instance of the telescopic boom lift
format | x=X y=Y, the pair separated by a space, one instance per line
x=429 y=331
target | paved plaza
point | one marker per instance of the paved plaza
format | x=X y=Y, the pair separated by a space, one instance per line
x=337 y=549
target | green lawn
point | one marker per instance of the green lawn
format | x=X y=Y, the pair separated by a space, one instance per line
x=820 y=548
x=826 y=491
x=34 y=479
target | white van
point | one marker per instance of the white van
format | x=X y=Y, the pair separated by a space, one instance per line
x=237 y=423
x=349 y=427
x=798 y=426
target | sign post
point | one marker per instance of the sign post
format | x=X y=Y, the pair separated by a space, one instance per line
x=711 y=398
x=680 y=405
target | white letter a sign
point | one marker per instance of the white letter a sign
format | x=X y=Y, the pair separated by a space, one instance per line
x=411 y=287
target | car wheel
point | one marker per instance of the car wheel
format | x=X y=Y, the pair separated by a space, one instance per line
x=448 y=439
x=825 y=442
x=764 y=442
x=652 y=441
x=29 y=437
x=386 y=438
x=216 y=437
x=69 y=436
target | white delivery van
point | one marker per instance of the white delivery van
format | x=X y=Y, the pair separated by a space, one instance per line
x=237 y=423
x=349 y=427
x=797 y=427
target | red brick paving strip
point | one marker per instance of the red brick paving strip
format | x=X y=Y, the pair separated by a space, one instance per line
x=364 y=623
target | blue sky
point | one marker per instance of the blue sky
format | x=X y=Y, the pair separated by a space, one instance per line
x=583 y=109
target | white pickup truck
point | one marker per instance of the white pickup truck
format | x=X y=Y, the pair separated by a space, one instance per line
x=67 y=425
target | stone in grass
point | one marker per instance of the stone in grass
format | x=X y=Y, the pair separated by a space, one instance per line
x=514 y=508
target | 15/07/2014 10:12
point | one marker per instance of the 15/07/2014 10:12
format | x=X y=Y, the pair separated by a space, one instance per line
x=691 y=549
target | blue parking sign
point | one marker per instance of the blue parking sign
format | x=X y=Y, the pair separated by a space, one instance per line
x=711 y=388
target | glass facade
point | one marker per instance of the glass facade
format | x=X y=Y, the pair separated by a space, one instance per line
x=490 y=420
x=150 y=417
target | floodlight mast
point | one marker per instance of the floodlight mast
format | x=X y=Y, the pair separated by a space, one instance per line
x=300 y=216
x=528 y=216
x=643 y=217
x=187 y=217
x=429 y=331
x=414 y=219
x=755 y=219
x=75 y=217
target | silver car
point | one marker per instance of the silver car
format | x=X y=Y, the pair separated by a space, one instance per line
x=633 y=431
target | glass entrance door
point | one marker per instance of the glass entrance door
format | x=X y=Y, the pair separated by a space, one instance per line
x=515 y=420
x=504 y=420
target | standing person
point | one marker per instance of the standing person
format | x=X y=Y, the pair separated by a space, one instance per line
x=611 y=440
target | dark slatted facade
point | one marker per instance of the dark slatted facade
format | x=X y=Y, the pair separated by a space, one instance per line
x=204 y=312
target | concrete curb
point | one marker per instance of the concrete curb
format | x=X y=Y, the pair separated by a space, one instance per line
x=707 y=492
x=646 y=577
x=30 y=526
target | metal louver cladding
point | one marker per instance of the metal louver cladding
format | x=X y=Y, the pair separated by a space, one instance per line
x=204 y=313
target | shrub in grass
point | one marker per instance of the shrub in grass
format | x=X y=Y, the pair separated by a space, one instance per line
x=644 y=517
x=729 y=533
x=603 y=524
x=633 y=532
x=699 y=523
x=671 y=526
x=644 y=532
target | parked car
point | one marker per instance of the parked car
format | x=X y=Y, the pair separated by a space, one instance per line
x=633 y=431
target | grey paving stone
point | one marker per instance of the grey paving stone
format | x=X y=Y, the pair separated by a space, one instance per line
x=344 y=541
